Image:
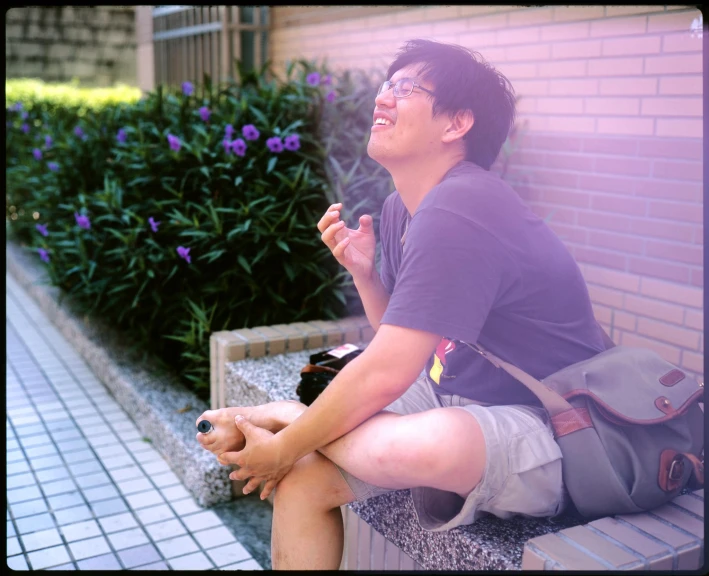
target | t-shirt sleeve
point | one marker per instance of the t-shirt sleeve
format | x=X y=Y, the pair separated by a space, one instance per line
x=386 y=272
x=452 y=272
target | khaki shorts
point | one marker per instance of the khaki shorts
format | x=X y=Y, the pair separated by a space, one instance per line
x=522 y=473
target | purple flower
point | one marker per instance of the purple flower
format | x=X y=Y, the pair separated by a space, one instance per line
x=204 y=113
x=16 y=107
x=238 y=146
x=274 y=144
x=82 y=221
x=187 y=88
x=174 y=142
x=330 y=96
x=227 y=145
x=43 y=254
x=79 y=132
x=24 y=115
x=313 y=78
x=327 y=80
x=37 y=153
x=42 y=229
x=47 y=141
x=153 y=224
x=292 y=143
x=121 y=136
x=228 y=131
x=184 y=253
x=25 y=128
x=250 y=133
x=53 y=166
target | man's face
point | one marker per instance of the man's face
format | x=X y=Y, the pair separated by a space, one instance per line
x=413 y=132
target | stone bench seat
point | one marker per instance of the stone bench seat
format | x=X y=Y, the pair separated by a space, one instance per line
x=383 y=532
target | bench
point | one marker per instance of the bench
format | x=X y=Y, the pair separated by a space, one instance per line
x=259 y=365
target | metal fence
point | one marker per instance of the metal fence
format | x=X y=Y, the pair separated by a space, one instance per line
x=190 y=41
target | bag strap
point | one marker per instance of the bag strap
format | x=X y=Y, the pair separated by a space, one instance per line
x=553 y=402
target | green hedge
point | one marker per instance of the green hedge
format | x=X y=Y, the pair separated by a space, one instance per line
x=152 y=223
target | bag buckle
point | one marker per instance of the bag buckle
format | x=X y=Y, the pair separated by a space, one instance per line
x=676 y=468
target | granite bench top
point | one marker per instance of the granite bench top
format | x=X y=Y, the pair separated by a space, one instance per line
x=488 y=544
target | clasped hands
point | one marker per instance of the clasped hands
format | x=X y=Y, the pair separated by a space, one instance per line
x=262 y=458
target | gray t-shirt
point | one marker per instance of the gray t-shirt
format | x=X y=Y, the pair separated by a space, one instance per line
x=478 y=265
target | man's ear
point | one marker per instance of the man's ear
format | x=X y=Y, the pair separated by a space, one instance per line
x=460 y=124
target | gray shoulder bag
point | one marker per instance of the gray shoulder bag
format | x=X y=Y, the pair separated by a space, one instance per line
x=629 y=426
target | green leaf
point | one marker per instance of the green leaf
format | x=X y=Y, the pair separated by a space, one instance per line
x=271 y=164
x=244 y=263
x=283 y=246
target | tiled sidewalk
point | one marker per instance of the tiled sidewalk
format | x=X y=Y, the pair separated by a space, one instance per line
x=84 y=490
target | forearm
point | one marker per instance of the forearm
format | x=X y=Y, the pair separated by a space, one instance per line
x=374 y=297
x=351 y=398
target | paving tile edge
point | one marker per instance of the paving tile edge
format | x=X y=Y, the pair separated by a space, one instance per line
x=172 y=434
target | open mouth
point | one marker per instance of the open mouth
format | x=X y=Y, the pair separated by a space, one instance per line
x=382 y=122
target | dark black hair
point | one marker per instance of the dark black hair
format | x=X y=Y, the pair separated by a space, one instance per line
x=463 y=80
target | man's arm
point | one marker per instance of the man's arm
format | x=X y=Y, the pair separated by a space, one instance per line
x=380 y=375
x=374 y=297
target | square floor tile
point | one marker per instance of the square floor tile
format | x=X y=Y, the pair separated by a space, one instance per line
x=201 y=520
x=139 y=555
x=74 y=514
x=88 y=548
x=38 y=440
x=195 y=561
x=134 y=486
x=14 y=456
x=214 y=537
x=79 y=456
x=114 y=462
x=81 y=530
x=10 y=528
x=144 y=499
x=58 y=487
x=136 y=446
x=154 y=466
x=73 y=445
x=154 y=514
x=29 y=430
x=111 y=450
x=100 y=493
x=108 y=507
x=41 y=539
x=20 y=481
x=39 y=451
x=24 y=420
x=17 y=467
x=97 y=563
x=67 y=500
x=11 y=445
x=86 y=467
x=46 y=462
x=127 y=473
x=165 y=529
x=124 y=425
x=17 y=563
x=54 y=416
x=34 y=523
x=13 y=546
x=80 y=411
x=128 y=538
x=228 y=554
x=48 y=557
x=175 y=493
x=177 y=546
x=28 y=508
x=70 y=434
x=118 y=522
x=153 y=566
x=63 y=424
x=165 y=479
x=103 y=440
x=51 y=474
x=91 y=480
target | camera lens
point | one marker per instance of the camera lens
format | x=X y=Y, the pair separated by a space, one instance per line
x=204 y=426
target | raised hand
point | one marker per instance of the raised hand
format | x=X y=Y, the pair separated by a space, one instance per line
x=354 y=249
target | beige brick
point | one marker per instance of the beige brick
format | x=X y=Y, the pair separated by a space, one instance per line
x=333 y=334
x=615 y=66
x=613 y=106
x=668 y=333
x=514 y=71
x=530 y=16
x=680 y=518
x=669 y=22
x=576 y=87
x=410 y=16
x=524 y=36
x=668 y=106
x=676 y=128
x=681 y=85
x=568 y=13
x=314 y=338
x=441 y=13
x=654 y=309
x=671 y=292
x=624 y=320
x=527 y=88
x=560 y=105
x=618 y=26
x=689 y=502
x=294 y=338
x=256 y=344
x=466 y=11
x=582 y=49
x=602 y=313
x=601 y=547
x=275 y=341
x=632 y=46
x=669 y=353
x=575 y=31
x=448 y=27
x=694 y=319
x=625 y=126
x=637 y=541
x=606 y=296
x=535 y=52
x=563 y=69
x=676 y=64
x=569 y=557
x=531 y=560
x=681 y=42
x=628 y=86
x=478 y=40
x=631 y=10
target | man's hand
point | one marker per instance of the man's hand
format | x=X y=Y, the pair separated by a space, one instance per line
x=262 y=459
x=354 y=249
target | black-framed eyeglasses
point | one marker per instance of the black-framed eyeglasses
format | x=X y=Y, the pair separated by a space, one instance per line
x=402 y=88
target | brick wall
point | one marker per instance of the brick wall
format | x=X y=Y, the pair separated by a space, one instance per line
x=611 y=97
x=93 y=43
